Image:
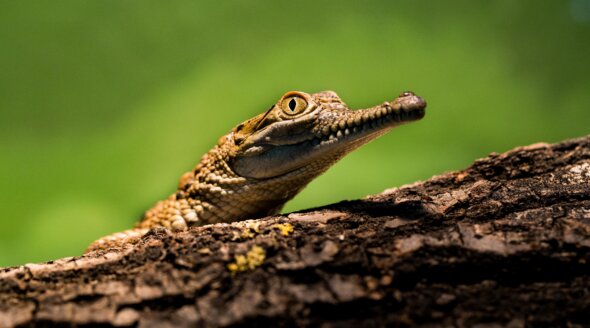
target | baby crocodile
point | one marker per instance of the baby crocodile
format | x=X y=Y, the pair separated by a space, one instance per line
x=265 y=161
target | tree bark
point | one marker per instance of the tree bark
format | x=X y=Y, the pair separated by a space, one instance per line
x=505 y=242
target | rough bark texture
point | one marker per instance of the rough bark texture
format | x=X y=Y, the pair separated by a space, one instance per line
x=505 y=242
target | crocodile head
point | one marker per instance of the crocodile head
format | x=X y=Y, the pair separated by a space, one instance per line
x=303 y=130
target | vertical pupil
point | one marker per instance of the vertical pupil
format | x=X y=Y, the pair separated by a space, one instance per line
x=292 y=104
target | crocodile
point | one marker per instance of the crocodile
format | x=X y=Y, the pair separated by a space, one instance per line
x=265 y=161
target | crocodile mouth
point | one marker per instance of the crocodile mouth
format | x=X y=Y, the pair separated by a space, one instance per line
x=372 y=122
x=334 y=136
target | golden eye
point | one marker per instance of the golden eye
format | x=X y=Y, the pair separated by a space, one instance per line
x=293 y=105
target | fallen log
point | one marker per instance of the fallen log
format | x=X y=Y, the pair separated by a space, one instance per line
x=504 y=242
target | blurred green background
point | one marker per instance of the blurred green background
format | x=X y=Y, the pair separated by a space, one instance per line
x=104 y=104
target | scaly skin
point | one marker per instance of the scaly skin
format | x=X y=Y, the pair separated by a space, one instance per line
x=264 y=162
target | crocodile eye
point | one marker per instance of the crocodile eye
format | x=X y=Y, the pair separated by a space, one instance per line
x=293 y=105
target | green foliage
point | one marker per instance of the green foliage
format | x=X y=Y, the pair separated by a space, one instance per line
x=104 y=104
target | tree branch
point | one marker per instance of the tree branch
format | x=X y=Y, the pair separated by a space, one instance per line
x=506 y=241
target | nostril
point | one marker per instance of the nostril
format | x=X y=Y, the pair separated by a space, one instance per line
x=407 y=94
x=420 y=102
